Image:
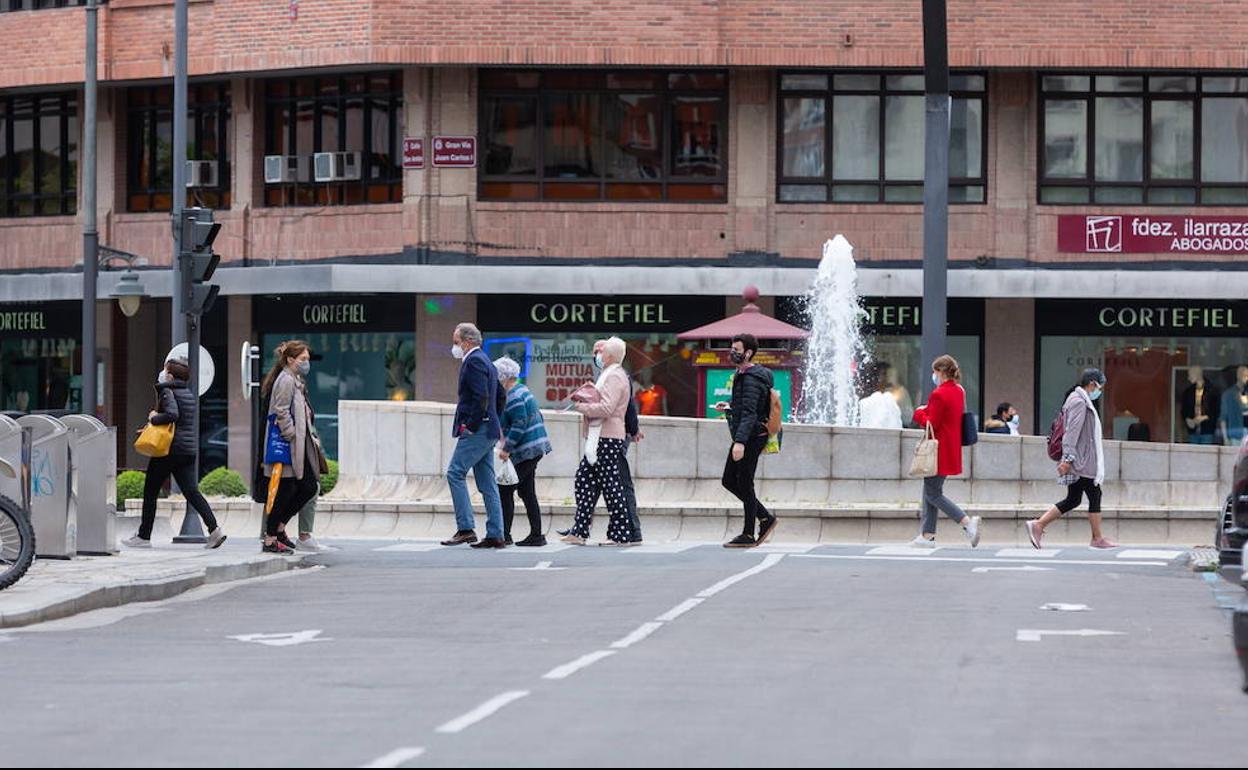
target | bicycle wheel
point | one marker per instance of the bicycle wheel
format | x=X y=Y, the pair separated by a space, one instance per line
x=17 y=543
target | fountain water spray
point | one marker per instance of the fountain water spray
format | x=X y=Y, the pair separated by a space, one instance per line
x=835 y=352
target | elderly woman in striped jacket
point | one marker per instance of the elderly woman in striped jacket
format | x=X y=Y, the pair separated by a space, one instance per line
x=525 y=443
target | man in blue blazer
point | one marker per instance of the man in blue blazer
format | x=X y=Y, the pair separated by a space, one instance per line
x=481 y=400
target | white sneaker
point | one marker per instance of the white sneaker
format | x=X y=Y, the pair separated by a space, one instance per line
x=308 y=544
x=136 y=542
x=922 y=542
x=972 y=531
x=215 y=539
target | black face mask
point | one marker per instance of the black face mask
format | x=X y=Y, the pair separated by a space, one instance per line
x=737 y=358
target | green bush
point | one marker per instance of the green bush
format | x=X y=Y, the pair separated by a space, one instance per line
x=129 y=487
x=330 y=480
x=223 y=482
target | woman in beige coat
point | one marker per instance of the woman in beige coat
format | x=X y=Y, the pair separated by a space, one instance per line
x=286 y=388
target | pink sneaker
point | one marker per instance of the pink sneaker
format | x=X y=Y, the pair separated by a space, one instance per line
x=1103 y=542
x=1035 y=533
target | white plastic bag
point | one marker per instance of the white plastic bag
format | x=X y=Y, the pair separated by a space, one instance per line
x=591 y=443
x=505 y=472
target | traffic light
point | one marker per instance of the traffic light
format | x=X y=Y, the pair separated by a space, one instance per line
x=199 y=261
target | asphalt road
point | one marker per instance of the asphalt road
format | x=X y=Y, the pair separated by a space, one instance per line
x=843 y=656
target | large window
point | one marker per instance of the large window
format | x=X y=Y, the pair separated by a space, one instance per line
x=150 y=160
x=1176 y=139
x=358 y=116
x=38 y=155
x=854 y=137
x=585 y=135
x=37 y=5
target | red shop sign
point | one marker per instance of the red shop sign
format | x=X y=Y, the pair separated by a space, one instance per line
x=413 y=152
x=455 y=151
x=1136 y=234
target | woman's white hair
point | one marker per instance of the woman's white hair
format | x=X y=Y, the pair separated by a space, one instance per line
x=507 y=368
x=616 y=349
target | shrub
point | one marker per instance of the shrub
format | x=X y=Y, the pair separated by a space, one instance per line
x=330 y=480
x=129 y=487
x=223 y=482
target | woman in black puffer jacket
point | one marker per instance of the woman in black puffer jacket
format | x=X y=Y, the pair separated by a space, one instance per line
x=175 y=404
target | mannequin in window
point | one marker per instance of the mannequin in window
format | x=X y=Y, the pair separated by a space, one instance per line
x=1234 y=415
x=651 y=397
x=1201 y=405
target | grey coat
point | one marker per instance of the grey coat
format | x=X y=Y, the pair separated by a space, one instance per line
x=1079 y=440
x=289 y=402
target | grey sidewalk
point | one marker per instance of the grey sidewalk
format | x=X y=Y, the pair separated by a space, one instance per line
x=56 y=589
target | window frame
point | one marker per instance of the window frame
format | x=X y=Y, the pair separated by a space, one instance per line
x=666 y=181
x=7 y=6
x=828 y=181
x=1147 y=184
x=66 y=114
x=347 y=193
x=196 y=111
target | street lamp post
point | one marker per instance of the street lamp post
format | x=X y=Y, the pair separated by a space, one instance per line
x=935 y=186
x=90 y=234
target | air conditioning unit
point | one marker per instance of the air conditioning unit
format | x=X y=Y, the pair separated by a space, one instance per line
x=280 y=169
x=201 y=173
x=337 y=166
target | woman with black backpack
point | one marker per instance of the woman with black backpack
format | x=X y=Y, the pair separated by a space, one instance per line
x=1081 y=467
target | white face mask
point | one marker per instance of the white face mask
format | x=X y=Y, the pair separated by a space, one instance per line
x=935 y=379
x=457 y=352
x=598 y=360
x=1014 y=421
x=164 y=377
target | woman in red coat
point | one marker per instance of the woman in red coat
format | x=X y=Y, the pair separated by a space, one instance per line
x=944 y=412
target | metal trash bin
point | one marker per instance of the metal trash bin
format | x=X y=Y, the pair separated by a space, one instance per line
x=11 y=450
x=51 y=485
x=94 y=460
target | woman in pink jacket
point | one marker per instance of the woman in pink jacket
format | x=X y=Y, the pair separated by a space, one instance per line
x=943 y=412
x=599 y=472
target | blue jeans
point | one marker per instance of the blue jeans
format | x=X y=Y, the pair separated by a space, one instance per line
x=475 y=453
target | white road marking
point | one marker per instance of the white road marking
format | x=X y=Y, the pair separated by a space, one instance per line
x=542 y=566
x=1035 y=635
x=1027 y=553
x=767 y=563
x=1146 y=554
x=642 y=631
x=901 y=550
x=663 y=547
x=485 y=710
x=678 y=610
x=1027 y=568
x=1059 y=607
x=417 y=547
x=585 y=661
x=395 y=758
x=282 y=640
x=973 y=560
x=785 y=548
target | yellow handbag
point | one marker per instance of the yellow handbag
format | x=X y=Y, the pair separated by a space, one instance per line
x=155 y=440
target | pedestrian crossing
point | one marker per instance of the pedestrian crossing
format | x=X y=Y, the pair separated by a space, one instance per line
x=1082 y=554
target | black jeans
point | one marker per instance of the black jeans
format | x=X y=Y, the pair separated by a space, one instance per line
x=182 y=468
x=527 y=472
x=292 y=494
x=739 y=480
x=1074 y=496
x=630 y=497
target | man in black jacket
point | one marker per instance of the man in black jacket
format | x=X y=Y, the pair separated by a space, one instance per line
x=747 y=421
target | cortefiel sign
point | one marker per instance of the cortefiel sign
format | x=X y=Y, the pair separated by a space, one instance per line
x=455 y=151
x=1137 y=234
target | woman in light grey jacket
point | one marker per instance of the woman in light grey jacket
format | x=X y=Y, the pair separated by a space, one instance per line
x=288 y=402
x=1082 y=468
